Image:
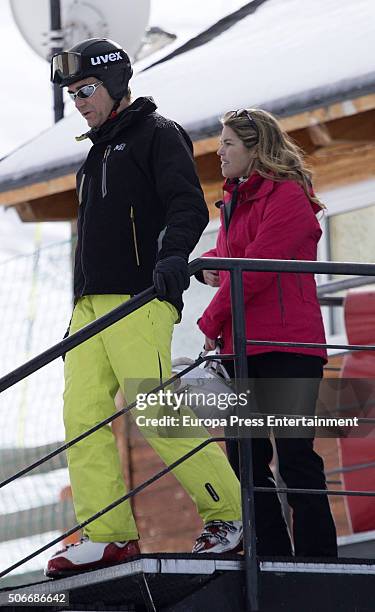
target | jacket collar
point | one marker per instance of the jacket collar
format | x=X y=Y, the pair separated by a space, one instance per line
x=140 y=108
x=253 y=188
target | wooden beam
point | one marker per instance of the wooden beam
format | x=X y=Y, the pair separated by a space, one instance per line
x=329 y=113
x=317 y=116
x=38 y=190
x=319 y=134
x=57 y=207
x=342 y=164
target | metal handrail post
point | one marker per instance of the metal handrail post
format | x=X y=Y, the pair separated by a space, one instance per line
x=57 y=40
x=245 y=446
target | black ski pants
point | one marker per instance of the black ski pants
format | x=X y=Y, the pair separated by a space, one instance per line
x=314 y=533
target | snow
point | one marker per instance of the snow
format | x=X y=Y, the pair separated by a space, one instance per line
x=193 y=17
x=285 y=48
x=48 y=150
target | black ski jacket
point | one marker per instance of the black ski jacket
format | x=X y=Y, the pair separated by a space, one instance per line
x=140 y=201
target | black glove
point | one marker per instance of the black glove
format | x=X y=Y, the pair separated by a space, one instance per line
x=171 y=277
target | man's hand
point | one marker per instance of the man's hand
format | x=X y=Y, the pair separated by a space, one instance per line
x=171 y=277
x=211 y=277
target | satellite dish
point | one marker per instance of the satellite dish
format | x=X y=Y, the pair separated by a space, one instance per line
x=124 y=21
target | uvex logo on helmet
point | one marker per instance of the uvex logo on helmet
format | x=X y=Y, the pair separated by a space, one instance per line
x=104 y=59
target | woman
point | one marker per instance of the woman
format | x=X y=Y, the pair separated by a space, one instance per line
x=269 y=212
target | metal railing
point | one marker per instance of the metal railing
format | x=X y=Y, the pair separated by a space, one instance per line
x=236 y=267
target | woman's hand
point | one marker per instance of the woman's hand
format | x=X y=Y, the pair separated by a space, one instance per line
x=209 y=344
x=211 y=277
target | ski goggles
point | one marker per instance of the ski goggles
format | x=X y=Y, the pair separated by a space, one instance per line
x=86 y=91
x=65 y=65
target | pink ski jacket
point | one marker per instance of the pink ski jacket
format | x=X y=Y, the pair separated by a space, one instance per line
x=272 y=220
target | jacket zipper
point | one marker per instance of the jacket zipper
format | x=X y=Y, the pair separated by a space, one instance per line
x=104 y=170
x=80 y=192
x=226 y=232
x=281 y=303
x=134 y=235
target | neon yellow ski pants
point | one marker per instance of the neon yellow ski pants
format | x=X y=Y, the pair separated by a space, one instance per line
x=136 y=347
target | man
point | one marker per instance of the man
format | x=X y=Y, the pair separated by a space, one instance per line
x=141 y=213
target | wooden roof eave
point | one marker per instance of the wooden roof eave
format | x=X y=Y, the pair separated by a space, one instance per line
x=37 y=190
x=55 y=198
x=51 y=200
x=317 y=116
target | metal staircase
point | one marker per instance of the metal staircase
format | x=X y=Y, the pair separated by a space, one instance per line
x=186 y=582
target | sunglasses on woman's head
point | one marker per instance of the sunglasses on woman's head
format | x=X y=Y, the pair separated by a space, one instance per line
x=86 y=91
x=242 y=112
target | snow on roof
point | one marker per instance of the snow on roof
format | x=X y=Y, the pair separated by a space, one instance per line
x=284 y=50
x=288 y=56
x=53 y=153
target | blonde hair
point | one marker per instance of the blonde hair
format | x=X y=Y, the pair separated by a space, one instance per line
x=278 y=157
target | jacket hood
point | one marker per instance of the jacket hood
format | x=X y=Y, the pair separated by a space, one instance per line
x=137 y=110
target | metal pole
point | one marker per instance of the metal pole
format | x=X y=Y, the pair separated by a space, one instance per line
x=57 y=39
x=342 y=285
x=245 y=446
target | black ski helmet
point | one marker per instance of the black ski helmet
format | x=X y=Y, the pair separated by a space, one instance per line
x=96 y=57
